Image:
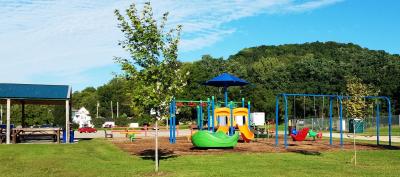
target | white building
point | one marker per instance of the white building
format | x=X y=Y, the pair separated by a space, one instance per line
x=82 y=118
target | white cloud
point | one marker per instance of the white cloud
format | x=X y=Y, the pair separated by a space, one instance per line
x=65 y=38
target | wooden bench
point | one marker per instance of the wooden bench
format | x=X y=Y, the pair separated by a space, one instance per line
x=108 y=135
x=18 y=133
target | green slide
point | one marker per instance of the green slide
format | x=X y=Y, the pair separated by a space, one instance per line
x=206 y=139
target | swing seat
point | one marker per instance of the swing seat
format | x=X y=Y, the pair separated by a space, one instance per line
x=294 y=132
x=314 y=134
x=301 y=135
x=319 y=135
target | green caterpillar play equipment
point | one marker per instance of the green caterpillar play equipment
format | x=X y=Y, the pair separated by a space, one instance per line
x=219 y=139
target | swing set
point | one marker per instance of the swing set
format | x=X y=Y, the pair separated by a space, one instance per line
x=339 y=100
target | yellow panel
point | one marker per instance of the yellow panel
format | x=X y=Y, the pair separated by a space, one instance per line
x=241 y=112
x=224 y=111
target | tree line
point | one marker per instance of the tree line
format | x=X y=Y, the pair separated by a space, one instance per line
x=317 y=67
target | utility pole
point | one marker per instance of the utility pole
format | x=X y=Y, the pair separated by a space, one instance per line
x=97 y=110
x=112 y=111
x=117 y=109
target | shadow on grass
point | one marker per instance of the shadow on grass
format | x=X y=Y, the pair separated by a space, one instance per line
x=84 y=139
x=305 y=152
x=149 y=154
x=383 y=147
x=204 y=149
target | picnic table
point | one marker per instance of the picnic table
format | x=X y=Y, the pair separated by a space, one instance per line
x=18 y=133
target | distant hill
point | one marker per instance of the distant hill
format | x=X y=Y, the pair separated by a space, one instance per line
x=317 y=67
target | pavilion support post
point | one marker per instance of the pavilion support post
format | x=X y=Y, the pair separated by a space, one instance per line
x=67 y=121
x=8 y=133
x=23 y=114
x=1 y=114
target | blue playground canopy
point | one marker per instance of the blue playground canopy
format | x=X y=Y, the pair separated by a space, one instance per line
x=225 y=80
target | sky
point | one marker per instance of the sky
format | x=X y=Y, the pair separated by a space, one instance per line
x=74 y=41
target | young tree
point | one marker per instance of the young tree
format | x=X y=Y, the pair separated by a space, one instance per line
x=356 y=105
x=153 y=69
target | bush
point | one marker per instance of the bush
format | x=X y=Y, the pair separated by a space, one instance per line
x=122 y=120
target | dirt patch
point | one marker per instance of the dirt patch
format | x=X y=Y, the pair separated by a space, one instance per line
x=145 y=147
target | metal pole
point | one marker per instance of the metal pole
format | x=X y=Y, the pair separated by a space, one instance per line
x=112 y=112
x=226 y=96
x=208 y=115
x=390 y=121
x=201 y=115
x=276 y=119
x=377 y=123
x=173 y=122
x=8 y=133
x=330 y=119
x=198 y=117
x=242 y=102
x=249 y=114
x=117 y=109
x=97 y=110
x=212 y=109
x=340 y=119
x=231 y=127
x=67 y=121
x=286 y=119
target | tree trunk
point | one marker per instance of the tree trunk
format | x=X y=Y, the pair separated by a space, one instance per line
x=156 y=148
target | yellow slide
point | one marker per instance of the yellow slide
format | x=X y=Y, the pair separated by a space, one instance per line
x=247 y=135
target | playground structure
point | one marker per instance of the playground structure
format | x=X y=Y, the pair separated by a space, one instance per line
x=217 y=117
x=331 y=98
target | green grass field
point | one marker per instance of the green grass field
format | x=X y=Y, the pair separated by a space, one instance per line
x=100 y=158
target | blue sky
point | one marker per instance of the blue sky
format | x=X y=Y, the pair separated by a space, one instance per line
x=73 y=41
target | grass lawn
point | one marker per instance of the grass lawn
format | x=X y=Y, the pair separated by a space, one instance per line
x=100 y=158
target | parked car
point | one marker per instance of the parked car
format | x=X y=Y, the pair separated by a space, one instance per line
x=87 y=130
x=108 y=124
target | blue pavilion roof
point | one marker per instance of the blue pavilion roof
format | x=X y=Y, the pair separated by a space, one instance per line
x=35 y=91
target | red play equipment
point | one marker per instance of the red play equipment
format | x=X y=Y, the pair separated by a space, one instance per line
x=301 y=135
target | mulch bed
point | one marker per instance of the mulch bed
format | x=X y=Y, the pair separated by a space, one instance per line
x=145 y=147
